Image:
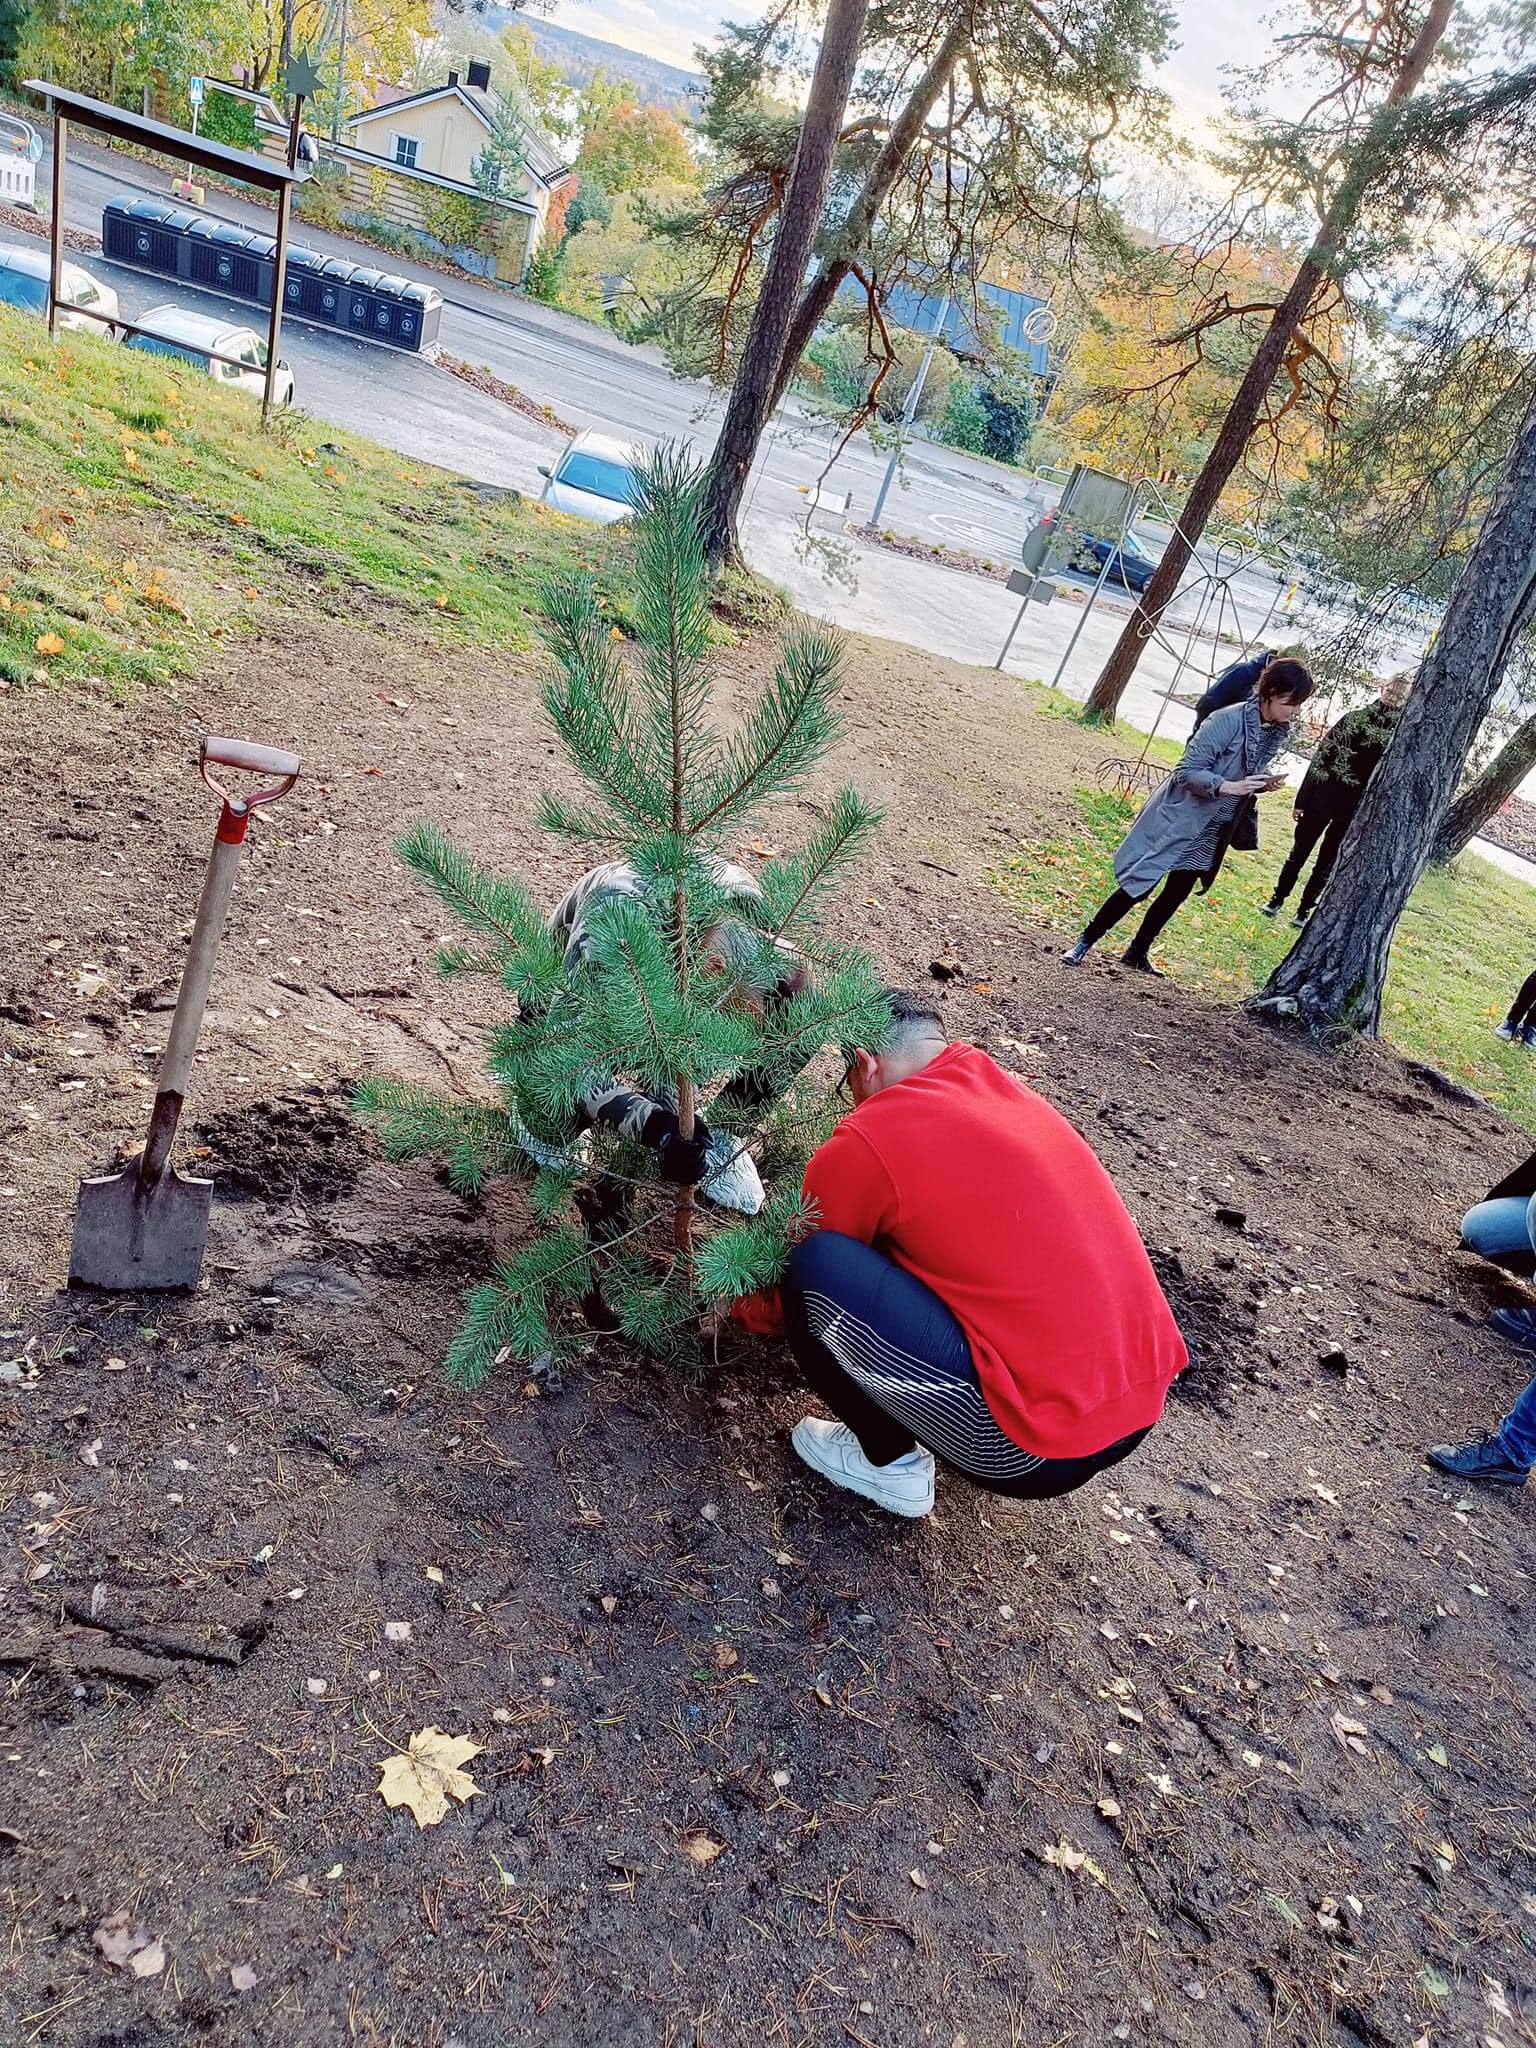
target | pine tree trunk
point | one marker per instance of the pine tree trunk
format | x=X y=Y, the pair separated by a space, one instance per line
x=1237 y=429
x=1480 y=799
x=1334 y=977
x=854 y=236
x=752 y=396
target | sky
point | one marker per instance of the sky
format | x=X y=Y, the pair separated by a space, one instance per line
x=1211 y=33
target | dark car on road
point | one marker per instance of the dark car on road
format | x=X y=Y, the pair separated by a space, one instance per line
x=1129 y=564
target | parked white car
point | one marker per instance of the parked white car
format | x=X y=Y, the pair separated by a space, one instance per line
x=594 y=479
x=233 y=355
x=24 y=283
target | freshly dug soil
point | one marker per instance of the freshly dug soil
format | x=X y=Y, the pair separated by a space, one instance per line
x=1236 y=1749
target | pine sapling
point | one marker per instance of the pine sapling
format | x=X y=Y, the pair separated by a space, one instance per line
x=687 y=975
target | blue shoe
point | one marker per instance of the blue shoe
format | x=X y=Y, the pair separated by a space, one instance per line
x=1484 y=1460
x=1517 y=1324
x=1075 y=955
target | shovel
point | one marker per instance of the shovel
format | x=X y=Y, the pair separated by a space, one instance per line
x=146 y=1226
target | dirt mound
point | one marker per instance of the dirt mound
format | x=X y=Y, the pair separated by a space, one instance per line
x=299 y=1148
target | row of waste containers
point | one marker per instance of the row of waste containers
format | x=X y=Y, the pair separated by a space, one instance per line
x=220 y=256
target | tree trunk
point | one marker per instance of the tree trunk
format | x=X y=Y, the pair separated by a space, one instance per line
x=1379 y=140
x=854 y=236
x=1470 y=812
x=1333 y=978
x=751 y=398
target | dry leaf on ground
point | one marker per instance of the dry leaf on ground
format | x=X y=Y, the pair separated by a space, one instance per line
x=128 y=1946
x=428 y=1775
x=702 y=1849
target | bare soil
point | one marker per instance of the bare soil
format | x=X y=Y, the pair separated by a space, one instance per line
x=1238 y=1749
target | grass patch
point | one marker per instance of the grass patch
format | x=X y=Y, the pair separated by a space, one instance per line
x=149 y=513
x=1462 y=949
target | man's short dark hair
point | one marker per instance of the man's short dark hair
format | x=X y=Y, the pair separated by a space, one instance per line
x=911 y=1016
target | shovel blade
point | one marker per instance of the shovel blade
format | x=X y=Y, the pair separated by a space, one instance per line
x=128 y=1237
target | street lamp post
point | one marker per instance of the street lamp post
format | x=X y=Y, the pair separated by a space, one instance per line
x=909 y=410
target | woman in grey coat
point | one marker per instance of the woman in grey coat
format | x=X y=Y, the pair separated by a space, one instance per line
x=1184 y=829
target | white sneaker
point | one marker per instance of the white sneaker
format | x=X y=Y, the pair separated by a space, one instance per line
x=731 y=1179
x=904 y=1487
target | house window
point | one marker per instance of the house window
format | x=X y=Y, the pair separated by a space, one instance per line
x=405 y=148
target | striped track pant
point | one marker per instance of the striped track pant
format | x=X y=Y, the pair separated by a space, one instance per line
x=888 y=1358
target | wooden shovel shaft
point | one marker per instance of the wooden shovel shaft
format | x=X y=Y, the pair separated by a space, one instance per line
x=196 y=979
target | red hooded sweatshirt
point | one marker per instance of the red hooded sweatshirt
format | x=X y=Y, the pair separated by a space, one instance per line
x=982 y=1190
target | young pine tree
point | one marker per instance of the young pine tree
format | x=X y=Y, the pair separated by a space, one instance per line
x=667 y=995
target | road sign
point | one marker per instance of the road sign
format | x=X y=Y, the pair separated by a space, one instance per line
x=195 y=91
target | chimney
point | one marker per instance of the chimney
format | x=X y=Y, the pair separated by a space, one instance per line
x=453 y=78
x=480 y=77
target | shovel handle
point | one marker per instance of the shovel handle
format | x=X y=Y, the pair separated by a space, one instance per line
x=280 y=767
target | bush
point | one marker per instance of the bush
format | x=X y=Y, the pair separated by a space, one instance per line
x=1010 y=409
x=230 y=121
x=846 y=373
x=965 y=423
x=456 y=220
x=542 y=278
x=323 y=200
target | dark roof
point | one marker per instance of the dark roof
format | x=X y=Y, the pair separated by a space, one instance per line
x=106 y=119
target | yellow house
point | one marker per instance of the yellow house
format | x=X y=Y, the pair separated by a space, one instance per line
x=409 y=160
x=440 y=134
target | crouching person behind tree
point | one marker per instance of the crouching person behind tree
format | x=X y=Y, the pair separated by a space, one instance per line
x=975 y=1290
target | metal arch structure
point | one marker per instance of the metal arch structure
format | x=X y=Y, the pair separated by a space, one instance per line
x=1216 y=616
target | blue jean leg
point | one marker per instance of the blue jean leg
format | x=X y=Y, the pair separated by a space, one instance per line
x=1496 y=1230
x=1517 y=1432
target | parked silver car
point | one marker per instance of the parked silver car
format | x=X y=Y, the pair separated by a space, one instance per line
x=594 y=479
x=233 y=355
x=24 y=283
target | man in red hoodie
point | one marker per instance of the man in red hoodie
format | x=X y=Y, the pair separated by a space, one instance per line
x=974 y=1287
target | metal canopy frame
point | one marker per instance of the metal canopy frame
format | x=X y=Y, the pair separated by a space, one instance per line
x=102 y=118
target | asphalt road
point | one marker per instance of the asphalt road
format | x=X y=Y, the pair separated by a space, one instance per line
x=591 y=379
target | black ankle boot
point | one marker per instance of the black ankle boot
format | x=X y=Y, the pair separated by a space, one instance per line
x=1141 y=960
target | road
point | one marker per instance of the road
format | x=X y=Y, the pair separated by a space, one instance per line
x=592 y=379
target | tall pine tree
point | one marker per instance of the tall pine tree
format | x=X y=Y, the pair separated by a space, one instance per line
x=652 y=1002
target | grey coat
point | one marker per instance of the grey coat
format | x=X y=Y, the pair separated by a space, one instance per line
x=1181 y=825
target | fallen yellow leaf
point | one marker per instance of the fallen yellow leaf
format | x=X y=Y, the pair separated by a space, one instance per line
x=130 y=458
x=163 y=437
x=50 y=643
x=112 y=602
x=429 y=1775
x=58 y=538
x=441 y=602
x=251 y=594
x=702 y=1849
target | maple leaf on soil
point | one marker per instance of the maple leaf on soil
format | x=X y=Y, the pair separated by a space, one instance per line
x=428 y=1775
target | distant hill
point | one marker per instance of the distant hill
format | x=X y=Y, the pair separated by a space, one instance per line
x=656 y=84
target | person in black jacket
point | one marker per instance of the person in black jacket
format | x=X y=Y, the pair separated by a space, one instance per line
x=1235 y=685
x=1329 y=797
x=1521 y=1021
x=1502 y=1229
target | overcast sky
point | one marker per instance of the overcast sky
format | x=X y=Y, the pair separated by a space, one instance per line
x=1212 y=33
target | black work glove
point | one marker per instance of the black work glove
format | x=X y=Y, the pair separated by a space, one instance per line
x=682 y=1160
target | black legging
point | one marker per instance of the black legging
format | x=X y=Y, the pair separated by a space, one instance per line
x=1177 y=890
x=1311 y=826
x=1523 y=1009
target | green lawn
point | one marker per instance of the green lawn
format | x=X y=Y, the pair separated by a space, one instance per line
x=149 y=512
x=1465 y=945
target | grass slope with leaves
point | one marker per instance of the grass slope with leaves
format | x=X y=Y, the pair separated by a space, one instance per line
x=150 y=512
x=1461 y=952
